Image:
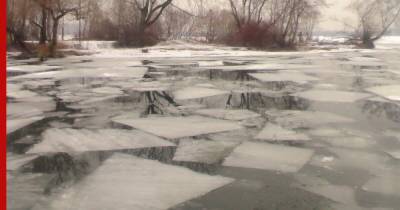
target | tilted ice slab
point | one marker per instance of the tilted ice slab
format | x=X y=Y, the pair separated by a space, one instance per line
x=178 y=127
x=210 y=63
x=203 y=151
x=73 y=140
x=386 y=184
x=128 y=182
x=228 y=114
x=253 y=67
x=305 y=119
x=268 y=157
x=31 y=68
x=133 y=72
x=273 y=132
x=107 y=90
x=14 y=162
x=284 y=77
x=197 y=92
x=391 y=92
x=16 y=124
x=394 y=154
x=22 y=110
x=332 y=96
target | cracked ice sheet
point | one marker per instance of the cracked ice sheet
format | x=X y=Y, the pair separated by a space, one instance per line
x=332 y=96
x=228 y=114
x=203 y=151
x=273 y=132
x=125 y=72
x=296 y=77
x=305 y=119
x=179 y=127
x=31 y=68
x=73 y=140
x=197 y=92
x=391 y=92
x=128 y=182
x=269 y=157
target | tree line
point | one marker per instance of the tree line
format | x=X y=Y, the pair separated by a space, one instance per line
x=253 y=23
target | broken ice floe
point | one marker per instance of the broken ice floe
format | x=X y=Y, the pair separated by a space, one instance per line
x=135 y=72
x=394 y=154
x=228 y=114
x=273 y=132
x=296 y=77
x=391 y=92
x=350 y=142
x=74 y=140
x=16 y=124
x=332 y=96
x=197 y=92
x=127 y=182
x=268 y=157
x=31 y=68
x=305 y=119
x=203 y=151
x=14 y=162
x=338 y=193
x=178 y=127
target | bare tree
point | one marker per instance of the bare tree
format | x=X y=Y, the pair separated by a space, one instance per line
x=375 y=18
x=56 y=9
x=17 y=16
x=246 y=11
x=150 y=12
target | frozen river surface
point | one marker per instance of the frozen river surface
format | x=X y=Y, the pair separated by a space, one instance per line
x=199 y=127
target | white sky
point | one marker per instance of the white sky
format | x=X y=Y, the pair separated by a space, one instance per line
x=336 y=16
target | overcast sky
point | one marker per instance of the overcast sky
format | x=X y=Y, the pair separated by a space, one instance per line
x=335 y=15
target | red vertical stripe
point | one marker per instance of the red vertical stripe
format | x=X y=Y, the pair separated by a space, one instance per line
x=3 y=103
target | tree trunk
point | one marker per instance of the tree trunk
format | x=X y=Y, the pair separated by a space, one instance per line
x=368 y=44
x=54 y=39
x=43 y=29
